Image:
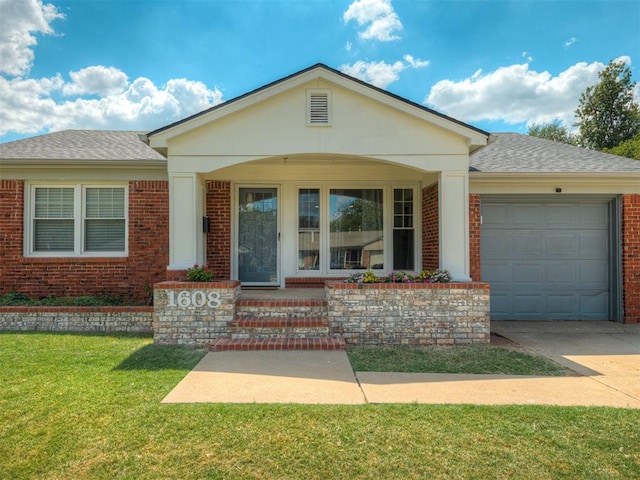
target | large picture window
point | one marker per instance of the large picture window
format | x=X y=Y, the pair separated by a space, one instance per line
x=356 y=237
x=352 y=228
x=75 y=220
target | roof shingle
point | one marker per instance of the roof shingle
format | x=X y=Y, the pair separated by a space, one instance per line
x=517 y=153
x=99 y=145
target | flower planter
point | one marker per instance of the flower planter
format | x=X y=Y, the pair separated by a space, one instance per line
x=409 y=313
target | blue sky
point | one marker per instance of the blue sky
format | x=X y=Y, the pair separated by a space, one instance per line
x=140 y=64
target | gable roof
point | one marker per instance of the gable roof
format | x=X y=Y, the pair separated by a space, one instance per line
x=517 y=153
x=81 y=146
x=321 y=70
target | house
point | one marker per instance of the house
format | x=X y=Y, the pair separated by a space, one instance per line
x=319 y=175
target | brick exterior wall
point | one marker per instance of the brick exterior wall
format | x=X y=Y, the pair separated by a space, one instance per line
x=631 y=257
x=474 y=237
x=430 y=228
x=219 y=239
x=129 y=277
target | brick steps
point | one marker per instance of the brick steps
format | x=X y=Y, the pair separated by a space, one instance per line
x=279 y=327
x=279 y=324
x=281 y=308
x=259 y=344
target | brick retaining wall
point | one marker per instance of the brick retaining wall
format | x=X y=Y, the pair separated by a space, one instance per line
x=77 y=319
x=410 y=314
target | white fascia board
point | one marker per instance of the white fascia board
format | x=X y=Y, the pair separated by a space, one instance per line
x=35 y=162
x=615 y=183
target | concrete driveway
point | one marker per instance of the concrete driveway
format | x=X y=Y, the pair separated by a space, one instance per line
x=606 y=352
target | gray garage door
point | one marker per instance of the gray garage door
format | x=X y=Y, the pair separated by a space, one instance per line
x=547 y=259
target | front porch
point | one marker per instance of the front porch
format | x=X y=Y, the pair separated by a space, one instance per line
x=223 y=316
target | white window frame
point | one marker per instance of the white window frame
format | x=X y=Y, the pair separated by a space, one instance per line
x=78 y=218
x=387 y=189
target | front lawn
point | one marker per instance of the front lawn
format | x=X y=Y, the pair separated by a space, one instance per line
x=88 y=406
x=468 y=359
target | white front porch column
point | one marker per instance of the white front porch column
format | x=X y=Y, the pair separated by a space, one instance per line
x=186 y=238
x=454 y=224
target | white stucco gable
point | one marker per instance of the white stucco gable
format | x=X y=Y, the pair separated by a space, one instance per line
x=363 y=121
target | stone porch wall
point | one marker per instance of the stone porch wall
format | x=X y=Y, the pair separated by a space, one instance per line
x=193 y=313
x=77 y=319
x=409 y=314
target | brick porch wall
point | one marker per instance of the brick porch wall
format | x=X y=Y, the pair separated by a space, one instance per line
x=129 y=277
x=219 y=238
x=430 y=228
x=631 y=257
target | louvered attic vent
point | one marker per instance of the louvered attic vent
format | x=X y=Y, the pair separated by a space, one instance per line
x=318 y=108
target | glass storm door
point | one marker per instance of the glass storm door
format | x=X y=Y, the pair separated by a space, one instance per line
x=258 y=236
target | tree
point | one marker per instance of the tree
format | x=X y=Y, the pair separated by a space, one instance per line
x=629 y=148
x=607 y=114
x=551 y=131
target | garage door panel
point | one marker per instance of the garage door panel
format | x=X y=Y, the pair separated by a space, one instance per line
x=593 y=306
x=527 y=216
x=527 y=304
x=593 y=244
x=500 y=307
x=500 y=272
x=527 y=243
x=594 y=275
x=496 y=216
x=526 y=274
x=561 y=274
x=547 y=260
x=498 y=244
x=561 y=306
x=594 y=215
x=560 y=215
x=560 y=243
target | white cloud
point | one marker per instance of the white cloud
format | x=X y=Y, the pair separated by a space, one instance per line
x=570 y=42
x=96 y=80
x=515 y=94
x=28 y=106
x=348 y=46
x=20 y=20
x=94 y=97
x=381 y=74
x=378 y=16
x=415 y=62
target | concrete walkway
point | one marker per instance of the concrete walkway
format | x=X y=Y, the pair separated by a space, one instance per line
x=605 y=355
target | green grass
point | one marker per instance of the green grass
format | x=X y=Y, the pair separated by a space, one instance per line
x=496 y=360
x=88 y=406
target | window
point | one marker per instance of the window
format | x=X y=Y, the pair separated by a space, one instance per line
x=309 y=229
x=318 y=107
x=74 y=220
x=403 y=229
x=356 y=238
x=344 y=228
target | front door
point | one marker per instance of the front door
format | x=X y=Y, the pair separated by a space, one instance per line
x=258 y=252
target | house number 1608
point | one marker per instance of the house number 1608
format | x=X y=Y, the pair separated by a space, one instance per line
x=196 y=298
